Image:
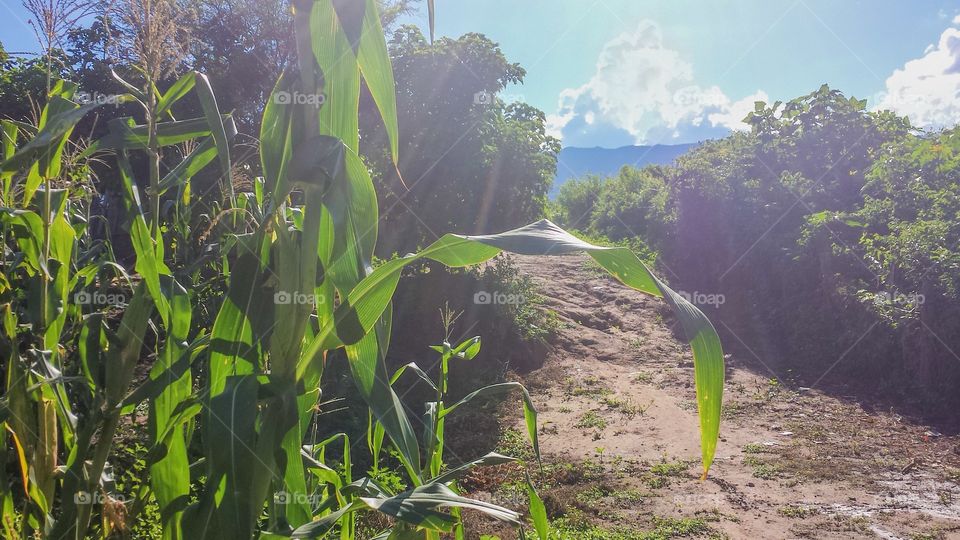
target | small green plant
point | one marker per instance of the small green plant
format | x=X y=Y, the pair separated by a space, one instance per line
x=762 y=469
x=591 y=420
x=755 y=448
x=587 y=386
x=797 y=512
x=625 y=406
x=661 y=473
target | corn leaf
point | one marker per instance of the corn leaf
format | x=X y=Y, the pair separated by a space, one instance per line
x=367 y=301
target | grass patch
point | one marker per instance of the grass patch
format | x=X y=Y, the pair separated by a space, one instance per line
x=762 y=469
x=797 y=512
x=576 y=527
x=625 y=406
x=660 y=474
x=591 y=420
x=755 y=448
x=588 y=386
x=514 y=443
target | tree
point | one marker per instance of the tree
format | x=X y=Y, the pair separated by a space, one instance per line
x=459 y=142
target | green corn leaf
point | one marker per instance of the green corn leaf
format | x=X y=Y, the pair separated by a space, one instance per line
x=8 y=145
x=538 y=513
x=275 y=140
x=217 y=130
x=492 y=458
x=377 y=70
x=176 y=92
x=51 y=137
x=202 y=155
x=529 y=410
x=420 y=507
x=158 y=381
x=363 y=306
x=125 y=134
x=125 y=349
x=341 y=74
x=412 y=366
x=230 y=435
x=134 y=91
x=242 y=320
x=170 y=475
x=149 y=248
x=371 y=379
x=432 y=9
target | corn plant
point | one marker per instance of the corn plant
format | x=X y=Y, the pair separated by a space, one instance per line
x=45 y=315
x=299 y=285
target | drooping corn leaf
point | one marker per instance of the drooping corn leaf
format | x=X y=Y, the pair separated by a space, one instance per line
x=361 y=309
x=220 y=134
x=529 y=410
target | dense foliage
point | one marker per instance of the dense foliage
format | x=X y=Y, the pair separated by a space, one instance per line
x=830 y=230
x=209 y=340
x=471 y=162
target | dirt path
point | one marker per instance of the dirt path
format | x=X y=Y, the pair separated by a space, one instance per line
x=617 y=412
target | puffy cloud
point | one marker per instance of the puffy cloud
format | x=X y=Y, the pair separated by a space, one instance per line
x=927 y=89
x=642 y=93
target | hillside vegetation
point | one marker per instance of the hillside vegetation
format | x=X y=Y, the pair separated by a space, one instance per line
x=829 y=232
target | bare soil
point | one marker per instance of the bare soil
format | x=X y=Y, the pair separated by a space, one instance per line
x=620 y=438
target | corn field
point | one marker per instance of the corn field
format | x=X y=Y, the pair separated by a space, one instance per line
x=233 y=375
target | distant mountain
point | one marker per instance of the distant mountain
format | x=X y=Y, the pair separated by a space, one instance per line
x=574 y=162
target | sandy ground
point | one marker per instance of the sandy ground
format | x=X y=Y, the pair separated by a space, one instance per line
x=617 y=407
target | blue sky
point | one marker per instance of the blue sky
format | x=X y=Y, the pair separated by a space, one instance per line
x=669 y=67
x=615 y=72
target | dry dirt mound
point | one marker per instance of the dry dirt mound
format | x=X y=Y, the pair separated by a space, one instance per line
x=619 y=429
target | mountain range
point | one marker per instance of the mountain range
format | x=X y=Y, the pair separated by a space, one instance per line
x=574 y=162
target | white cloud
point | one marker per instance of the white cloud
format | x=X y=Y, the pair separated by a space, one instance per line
x=642 y=93
x=927 y=89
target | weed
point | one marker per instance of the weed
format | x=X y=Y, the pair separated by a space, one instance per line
x=591 y=420
x=660 y=474
x=627 y=407
x=627 y=497
x=797 y=512
x=754 y=448
x=588 y=386
x=575 y=526
x=515 y=443
x=762 y=469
